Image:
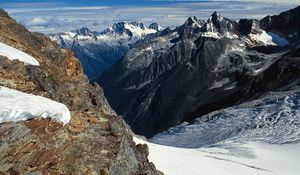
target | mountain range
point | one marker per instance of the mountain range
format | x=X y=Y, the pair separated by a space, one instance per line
x=177 y=75
x=213 y=96
x=98 y=51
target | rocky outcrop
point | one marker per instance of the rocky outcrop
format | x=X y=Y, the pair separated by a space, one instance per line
x=96 y=141
x=286 y=23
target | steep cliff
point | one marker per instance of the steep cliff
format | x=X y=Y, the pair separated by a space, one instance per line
x=95 y=141
x=199 y=67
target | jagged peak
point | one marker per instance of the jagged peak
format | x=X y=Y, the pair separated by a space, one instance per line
x=138 y=24
x=217 y=26
x=215 y=17
x=121 y=26
x=83 y=31
x=216 y=14
x=190 y=20
x=118 y=25
x=194 y=21
x=155 y=26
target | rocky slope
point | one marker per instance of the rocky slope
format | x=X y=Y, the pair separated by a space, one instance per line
x=200 y=67
x=98 y=51
x=96 y=141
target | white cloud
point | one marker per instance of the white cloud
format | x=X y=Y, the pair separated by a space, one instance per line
x=174 y=14
x=37 y=21
x=266 y=1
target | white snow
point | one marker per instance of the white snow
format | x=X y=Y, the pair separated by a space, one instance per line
x=219 y=35
x=259 y=137
x=219 y=84
x=262 y=37
x=227 y=159
x=18 y=106
x=15 y=54
x=268 y=39
x=137 y=31
x=231 y=86
x=110 y=38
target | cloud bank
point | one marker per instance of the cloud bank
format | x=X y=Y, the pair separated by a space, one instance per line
x=52 y=19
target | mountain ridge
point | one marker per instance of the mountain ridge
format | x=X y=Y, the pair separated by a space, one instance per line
x=187 y=75
x=97 y=51
x=94 y=141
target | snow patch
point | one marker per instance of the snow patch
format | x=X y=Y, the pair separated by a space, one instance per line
x=268 y=39
x=232 y=86
x=218 y=35
x=18 y=106
x=15 y=54
x=139 y=32
x=218 y=84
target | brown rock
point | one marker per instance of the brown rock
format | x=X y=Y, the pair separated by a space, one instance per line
x=94 y=120
x=94 y=142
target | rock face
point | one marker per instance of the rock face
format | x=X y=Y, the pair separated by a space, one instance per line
x=98 y=51
x=96 y=141
x=286 y=23
x=197 y=68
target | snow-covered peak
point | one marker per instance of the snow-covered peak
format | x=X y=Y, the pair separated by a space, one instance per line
x=132 y=29
x=155 y=26
x=217 y=21
x=84 y=31
x=117 y=28
x=118 y=33
x=218 y=27
x=216 y=16
x=193 y=21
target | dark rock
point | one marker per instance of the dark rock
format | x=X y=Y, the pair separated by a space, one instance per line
x=286 y=23
x=198 y=74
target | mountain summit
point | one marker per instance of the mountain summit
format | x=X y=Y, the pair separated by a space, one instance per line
x=218 y=26
x=200 y=67
x=97 y=51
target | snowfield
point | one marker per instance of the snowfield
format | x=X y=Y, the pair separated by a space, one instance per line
x=15 y=54
x=18 y=106
x=268 y=39
x=253 y=158
x=261 y=137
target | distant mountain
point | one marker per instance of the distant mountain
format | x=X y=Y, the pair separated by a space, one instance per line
x=97 y=51
x=202 y=66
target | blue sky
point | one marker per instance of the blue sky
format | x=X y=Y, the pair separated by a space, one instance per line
x=51 y=16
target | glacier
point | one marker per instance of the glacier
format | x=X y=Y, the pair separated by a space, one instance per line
x=259 y=137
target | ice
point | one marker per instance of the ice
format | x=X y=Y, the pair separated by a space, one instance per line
x=259 y=137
